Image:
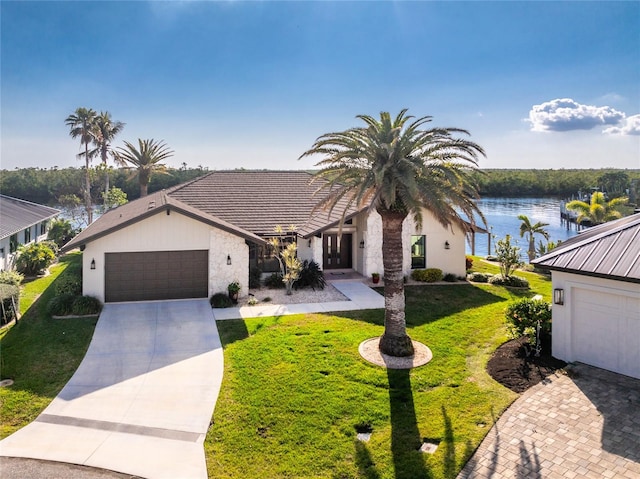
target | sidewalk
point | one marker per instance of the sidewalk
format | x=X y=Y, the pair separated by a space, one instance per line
x=360 y=297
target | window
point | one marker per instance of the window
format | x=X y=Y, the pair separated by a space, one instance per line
x=418 y=252
x=13 y=243
x=43 y=227
x=27 y=235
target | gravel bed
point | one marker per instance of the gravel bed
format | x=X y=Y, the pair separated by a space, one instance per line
x=279 y=296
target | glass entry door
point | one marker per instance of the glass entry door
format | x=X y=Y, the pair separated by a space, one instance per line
x=337 y=252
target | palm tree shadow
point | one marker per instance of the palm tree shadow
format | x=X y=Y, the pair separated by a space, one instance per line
x=365 y=464
x=408 y=461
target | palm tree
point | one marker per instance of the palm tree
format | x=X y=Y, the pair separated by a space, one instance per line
x=146 y=159
x=82 y=124
x=396 y=168
x=598 y=210
x=531 y=230
x=105 y=131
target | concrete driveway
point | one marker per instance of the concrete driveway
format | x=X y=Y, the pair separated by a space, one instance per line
x=142 y=399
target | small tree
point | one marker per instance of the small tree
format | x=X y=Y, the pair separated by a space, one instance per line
x=61 y=231
x=113 y=198
x=508 y=255
x=287 y=256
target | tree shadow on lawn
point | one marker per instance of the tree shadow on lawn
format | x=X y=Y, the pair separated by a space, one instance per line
x=408 y=460
x=425 y=304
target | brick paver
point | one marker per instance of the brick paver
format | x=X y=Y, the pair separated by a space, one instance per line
x=585 y=424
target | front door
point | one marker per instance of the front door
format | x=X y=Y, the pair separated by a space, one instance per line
x=336 y=252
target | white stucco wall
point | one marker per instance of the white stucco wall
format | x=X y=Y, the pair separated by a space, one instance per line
x=174 y=232
x=449 y=261
x=7 y=259
x=310 y=249
x=604 y=333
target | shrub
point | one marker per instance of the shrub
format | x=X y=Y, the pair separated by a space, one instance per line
x=220 y=300
x=9 y=302
x=429 y=275
x=468 y=262
x=479 y=277
x=35 y=257
x=511 y=281
x=69 y=283
x=450 y=278
x=11 y=277
x=274 y=281
x=61 y=231
x=523 y=315
x=311 y=276
x=61 y=305
x=255 y=277
x=83 y=305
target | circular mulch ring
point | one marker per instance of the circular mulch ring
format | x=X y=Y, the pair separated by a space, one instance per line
x=510 y=366
x=370 y=351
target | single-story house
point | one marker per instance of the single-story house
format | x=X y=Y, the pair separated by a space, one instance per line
x=21 y=222
x=596 y=284
x=193 y=239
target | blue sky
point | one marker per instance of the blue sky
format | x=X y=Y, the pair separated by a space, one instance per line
x=253 y=84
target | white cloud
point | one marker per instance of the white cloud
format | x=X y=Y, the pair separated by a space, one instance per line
x=565 y=114
x=629 y=126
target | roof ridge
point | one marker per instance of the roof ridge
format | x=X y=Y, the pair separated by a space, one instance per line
x=12 y=198
x=180 y=186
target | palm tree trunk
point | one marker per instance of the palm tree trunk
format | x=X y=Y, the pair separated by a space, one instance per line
x=394 y=341
x=87 y=185
x=106 y=178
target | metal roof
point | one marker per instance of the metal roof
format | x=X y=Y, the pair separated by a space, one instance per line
x=610 y=250
x=17 y=215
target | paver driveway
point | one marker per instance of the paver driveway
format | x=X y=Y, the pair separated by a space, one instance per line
x=141 y=400
x=585 y=425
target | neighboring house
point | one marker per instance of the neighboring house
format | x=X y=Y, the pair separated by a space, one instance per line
x=596 y=282
x=21 y=222
x=193 y=239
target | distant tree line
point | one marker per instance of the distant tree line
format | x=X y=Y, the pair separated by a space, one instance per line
x=562 y=183
x=48 y=186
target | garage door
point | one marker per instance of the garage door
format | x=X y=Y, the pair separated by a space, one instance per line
x=153 y=275
x=606 y=330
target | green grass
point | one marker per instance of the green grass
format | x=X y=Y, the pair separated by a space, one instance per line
x=40 y=354
x=295 y=390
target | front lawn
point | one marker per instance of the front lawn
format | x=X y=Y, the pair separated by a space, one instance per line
x=296 y=392
x=39 y=353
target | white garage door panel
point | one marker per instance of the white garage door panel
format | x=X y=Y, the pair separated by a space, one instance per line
x=605 y=330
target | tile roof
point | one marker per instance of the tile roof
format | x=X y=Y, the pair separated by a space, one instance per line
x=610 y=250
x=260 y=200
x=145 y=207
x=17 y=215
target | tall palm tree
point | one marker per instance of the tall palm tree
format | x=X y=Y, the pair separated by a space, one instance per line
x=105 y=130
x=146 y=159
x=531 y=230
x=396 y=168
x=598 y=210
x=82 y=124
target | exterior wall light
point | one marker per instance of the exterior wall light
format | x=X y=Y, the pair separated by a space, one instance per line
x=228 y=259
x=309 y=243
x=447 y=245
x=558 y=296
x=93 y=264
x=362 y=244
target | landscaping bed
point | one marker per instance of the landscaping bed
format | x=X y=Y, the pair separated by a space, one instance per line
x=512 y=368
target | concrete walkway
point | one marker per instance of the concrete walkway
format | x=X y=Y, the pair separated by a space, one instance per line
x=360 y=297
x=142 y=398
x=584 y=425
